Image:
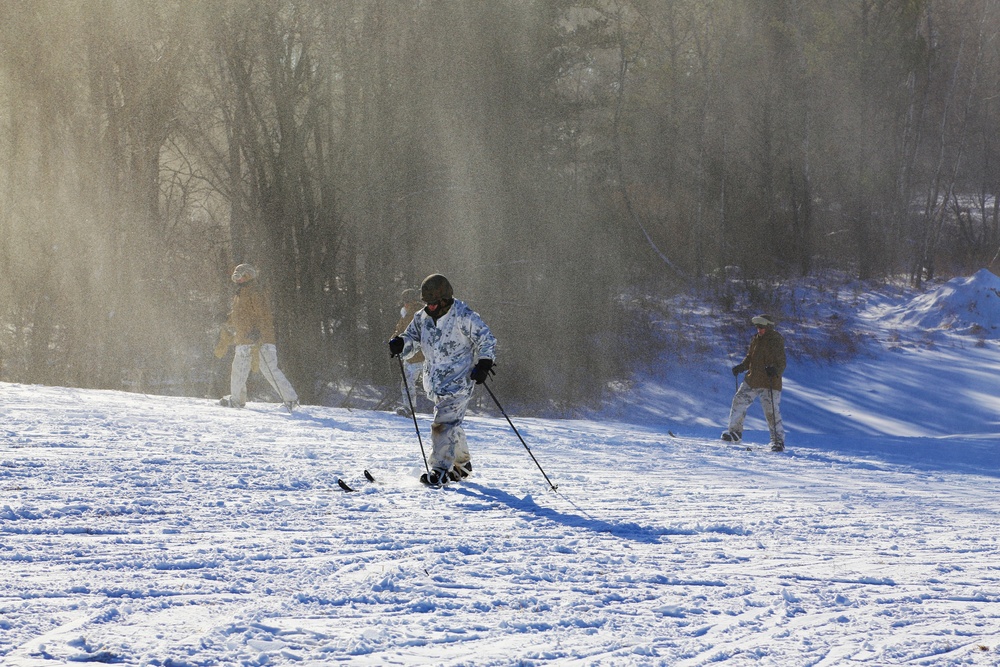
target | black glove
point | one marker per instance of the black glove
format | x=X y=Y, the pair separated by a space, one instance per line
x=737 y=370
x=396 y=346
x=482 y=370
x=771 y=371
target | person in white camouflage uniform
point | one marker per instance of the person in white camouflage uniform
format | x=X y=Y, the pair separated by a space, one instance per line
x=459 y=351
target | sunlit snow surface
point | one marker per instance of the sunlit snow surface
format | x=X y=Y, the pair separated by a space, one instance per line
x=143 y=530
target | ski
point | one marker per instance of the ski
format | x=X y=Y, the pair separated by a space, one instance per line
x=743 y=447
x=348 y=488
x=371 y=478
x=754 y=448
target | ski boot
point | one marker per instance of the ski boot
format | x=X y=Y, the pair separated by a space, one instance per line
x=435 y=478
x=460 y=471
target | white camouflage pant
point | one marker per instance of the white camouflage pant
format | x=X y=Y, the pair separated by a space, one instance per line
x=742 y=401
x=268 y=358
x=448 y=445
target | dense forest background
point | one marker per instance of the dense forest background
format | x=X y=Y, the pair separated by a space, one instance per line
x=548 y=156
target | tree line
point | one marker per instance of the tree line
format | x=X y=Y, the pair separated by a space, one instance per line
x=548 y=156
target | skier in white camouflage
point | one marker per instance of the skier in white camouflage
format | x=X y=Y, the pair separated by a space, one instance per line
x=459 y=351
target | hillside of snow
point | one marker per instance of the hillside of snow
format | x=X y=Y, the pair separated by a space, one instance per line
x=888 y=362
x=147 y=530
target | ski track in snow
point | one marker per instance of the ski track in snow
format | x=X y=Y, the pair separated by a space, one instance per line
x=168 y=531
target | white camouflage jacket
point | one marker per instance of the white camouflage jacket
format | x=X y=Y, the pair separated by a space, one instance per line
x=451 y=347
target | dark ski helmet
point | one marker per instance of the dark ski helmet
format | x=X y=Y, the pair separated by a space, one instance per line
x=764 y=321
x=436 y=288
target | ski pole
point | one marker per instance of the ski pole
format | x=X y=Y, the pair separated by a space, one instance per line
x=771 y=425
x=493 y=396
x=262 y=361
x=413 y=413
x=736 y=376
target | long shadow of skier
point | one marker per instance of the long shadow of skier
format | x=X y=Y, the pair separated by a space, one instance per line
x=625 y=530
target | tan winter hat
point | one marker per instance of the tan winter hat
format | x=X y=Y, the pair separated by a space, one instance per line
x=764 y=321
x=243 y=273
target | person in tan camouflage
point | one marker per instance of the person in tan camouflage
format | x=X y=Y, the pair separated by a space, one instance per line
x=764 y=365
x=250 y=328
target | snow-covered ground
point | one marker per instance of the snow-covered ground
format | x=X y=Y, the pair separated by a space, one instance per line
x=144 y=530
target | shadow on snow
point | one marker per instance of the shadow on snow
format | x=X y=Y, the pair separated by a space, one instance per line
x=582 y=520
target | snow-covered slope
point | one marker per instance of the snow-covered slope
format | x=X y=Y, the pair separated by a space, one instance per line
x=921 y=365
x=144 y=530
x=963 y=305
